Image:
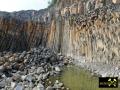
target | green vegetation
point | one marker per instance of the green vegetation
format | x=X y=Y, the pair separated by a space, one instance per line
x=52 y=2
x=79 y=79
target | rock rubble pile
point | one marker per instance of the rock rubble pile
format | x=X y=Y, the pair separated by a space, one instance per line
x=30 y=70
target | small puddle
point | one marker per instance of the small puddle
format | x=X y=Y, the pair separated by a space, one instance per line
x=79 y=79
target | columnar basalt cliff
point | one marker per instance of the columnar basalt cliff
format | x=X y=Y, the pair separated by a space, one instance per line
x=94 y=35
x=68 y=28
x=21 y=30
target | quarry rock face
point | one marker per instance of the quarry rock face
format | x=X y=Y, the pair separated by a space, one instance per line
x=68 y=28
x=35 y=45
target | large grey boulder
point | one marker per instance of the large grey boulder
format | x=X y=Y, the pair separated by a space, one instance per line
x=13 y=84
x=57 y=68
x=40 y=70
x=19 y=87
x=40 y=87
x=29 y=78
x=2 y=84
x=49 y=88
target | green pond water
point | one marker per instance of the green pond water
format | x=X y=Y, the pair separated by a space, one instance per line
x=79 y=79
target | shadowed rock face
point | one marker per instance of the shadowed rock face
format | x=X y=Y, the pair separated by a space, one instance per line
x=20 y=30
x=96 y=36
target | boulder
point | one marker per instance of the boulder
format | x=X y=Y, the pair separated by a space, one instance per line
x=45 y=75
x=39 y=77
x=49 y=88
x=29 y=78
x=23 y=77
x=11 y=59
x=56 y=86
x=2 y=84
x=40 y=87
x=56 y=82
x=57 y=68
x=16 y=78
x=60 y=84
x=40 y=70
x=19 y=87
x=35 y=88
x=31 y=85
x=13 y=84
